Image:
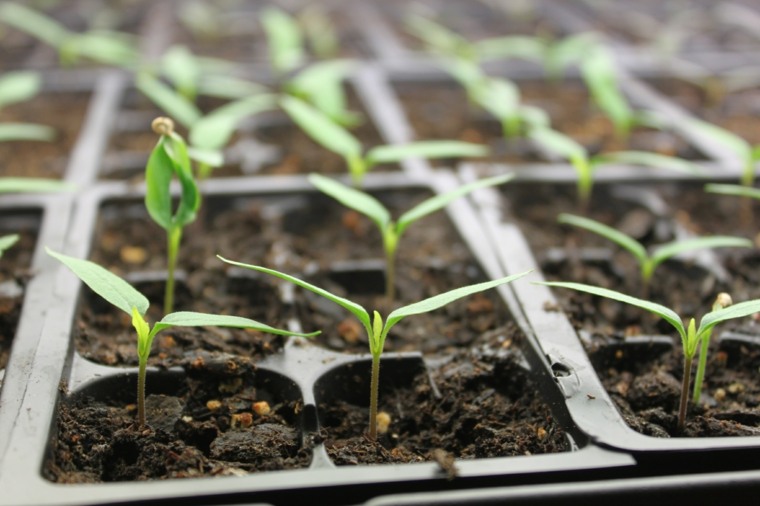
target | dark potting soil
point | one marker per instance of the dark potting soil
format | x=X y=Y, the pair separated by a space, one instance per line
x=442 y=111
x=478 y=403
x=209 y=426
x=646 y=391
x=64 y=113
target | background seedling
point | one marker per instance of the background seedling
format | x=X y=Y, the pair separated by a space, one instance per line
x=17 y=87
x=390 y=230
x=109 y=47
x=125 y=297
x=169 y=158
x=648 y=263
x=691 y=335
x=377 y=329
x=337 y=139
x=748 y=154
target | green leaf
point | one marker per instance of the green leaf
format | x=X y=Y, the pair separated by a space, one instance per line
x=663 y=312
x=648 y=159
x=192 y=319
x=734 y=189
x=352 y=307
x=499 y=97
x=180 y=66
x=433 y=204
x=320 y=128
x=728 y=139
x=437 y=37
x=112 y=48
x=354 y=199
x=511 y=46
x=599 y=74
x=214 y=130
x=558 y=143
x=322 y=84
x=7 y=241
x=18 y=86
x=144 y=336
x=34 y=23
x=739 y=310
x=284 y=38
x=717 y=241
x=393 y=153
x=230 y=87
x=440 y=300
x=467 y=73
x=567 y=51
x=103 y=282
x=25 y=132
x=32 y=185
x=206 y=156
x=169 y=101
x=610 y=233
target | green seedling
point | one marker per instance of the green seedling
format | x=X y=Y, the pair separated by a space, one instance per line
x=168 y=159
x=649 y=262
x=734 y=189
x=321 y=85
x=102 y=46
x=390 y=230
x=127 y=298
x=337 y=139
x=748 y=154
x=285 y=39
x=561 y=145
x=16 y=87
x=377 y=329
x=691 y=335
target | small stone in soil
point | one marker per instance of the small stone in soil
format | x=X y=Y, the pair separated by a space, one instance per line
x=162 y=412
x=264 y=441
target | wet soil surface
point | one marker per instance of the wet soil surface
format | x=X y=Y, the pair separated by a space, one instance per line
x=64 y=113
x=647 y=392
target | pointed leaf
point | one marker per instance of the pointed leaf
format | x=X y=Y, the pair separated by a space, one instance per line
x=734 y=189
x=206 y=156
x=355 y=199
x=647 y=159
x=180 y=66
x=32 y=185
x=499 y=97
x=610 y=233
x=192 y=319
x=284 y=39
x=663 y=312
x=440 y=300
x=437 y=37
x=18 y=86
x=739 y=310
x=321 y=128
x=105 y=283
x=558 y=143
x=672 y=249
x=7 y=241
x=34 y=23
x=353 y=307
x=728 y=139
x=393 y=153
x=230 y=87
x=433 y=204
x=511 y=46
x=25 y=132
x=169 y=101
x=214 y=130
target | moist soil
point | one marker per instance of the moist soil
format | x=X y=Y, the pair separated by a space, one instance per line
x=442 y=111
x=646 y=391
x=64 y=112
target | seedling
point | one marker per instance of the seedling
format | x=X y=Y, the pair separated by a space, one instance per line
x=169 y=158
x=377 y=329
x=127 y=298
x=648 y=263
x=691 y=335
x=337 y=139
x=17 y=87
x=109 y=47
x=748 y=154
x=734 y=189
x=585 y=164
x=286 y=48
x=391 y=230
x=321 y=85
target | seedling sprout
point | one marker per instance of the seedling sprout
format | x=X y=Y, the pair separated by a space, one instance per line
x=691 y=335
x=649 y=262
x=376 y=327
x=337 y=139
x=127 y=298
x=391 y=230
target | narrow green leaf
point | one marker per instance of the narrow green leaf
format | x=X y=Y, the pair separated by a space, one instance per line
x=354 y=199
x=25 y=132
x=739 y=310
x=354 y=308
x=466 y=72
x=734 y=189
x=722 y=136
x=103 y=282
x=320 y=128
x=663 y=312
x=144 y=336
x=499 y=97
x=180 y=66
x=437 y=37
x=34 y=23
x=230 y=87
x=169 y=101
x=647 y=159
x=32 y=185
x=440 y=300
x=322 y=84
x=672 y=249
x=393 y=153
x=511 y=46
x=599 y=74
x=190 y=198
x=559 y=144
x=18 y=86
x=192 y=319
x=111 y=48
x=206 y=156
x=614 y=235
x=214 y=130
x=284 y=38
x=7 y=241
x=158 y=177
x=433 y=204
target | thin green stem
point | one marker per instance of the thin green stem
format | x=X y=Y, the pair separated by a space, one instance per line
x=357 y=167
x=701 y=366
x=174 y=237
x=141 y=391
x=684 y=392
x=390 y=276
x=374 y=387
x=510 y=126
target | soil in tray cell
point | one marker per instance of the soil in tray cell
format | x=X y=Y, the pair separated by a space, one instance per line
x=442 y=111
x=225 y=419
x=478 y=404
x=64 y=113
x=14 y=274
